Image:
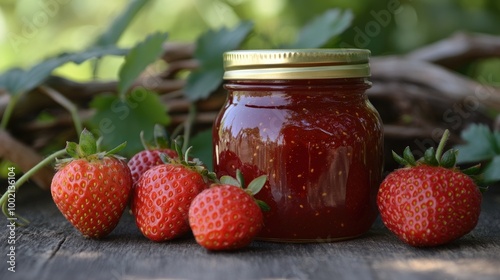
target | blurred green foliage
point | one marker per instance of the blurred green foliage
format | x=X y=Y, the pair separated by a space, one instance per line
x=31 y=30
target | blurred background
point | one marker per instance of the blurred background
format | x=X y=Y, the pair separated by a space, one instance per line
x=417 y=96
x=31 y=30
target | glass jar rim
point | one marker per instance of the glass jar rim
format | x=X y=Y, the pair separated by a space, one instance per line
x=296 y=64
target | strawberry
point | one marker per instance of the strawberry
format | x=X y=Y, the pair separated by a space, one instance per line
x=162 y=197
x=150 y=156
x=430 y=201
x=91 y=189
x=145 y=159
x=226 y=216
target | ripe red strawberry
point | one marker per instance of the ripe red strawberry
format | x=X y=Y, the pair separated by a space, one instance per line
x=92 y=189
x=429 y=202
x=226 y=216
x=162 y=197
x=150 y=156
x=145 y=159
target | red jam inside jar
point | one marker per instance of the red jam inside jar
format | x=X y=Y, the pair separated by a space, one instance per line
x=305 y=121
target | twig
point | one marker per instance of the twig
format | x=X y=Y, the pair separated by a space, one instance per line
x=174 y=51
x=450 y=85
x=458 y=49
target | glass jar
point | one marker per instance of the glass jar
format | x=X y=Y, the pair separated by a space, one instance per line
x=302 y=118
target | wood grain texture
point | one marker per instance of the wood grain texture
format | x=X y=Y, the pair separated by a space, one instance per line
x=49 y=248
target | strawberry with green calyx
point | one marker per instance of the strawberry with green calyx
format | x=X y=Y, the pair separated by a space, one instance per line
x=226 y=216
x=163 y=194
x=91 y=189
x=430 y=201
x=150 y=156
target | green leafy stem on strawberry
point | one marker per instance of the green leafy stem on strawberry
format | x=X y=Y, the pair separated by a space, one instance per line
x=430 y=202
x=439 y=157
x=252 y=189
x=183 y=158
x=91 y=188
x=86 y=149
x=226 y=216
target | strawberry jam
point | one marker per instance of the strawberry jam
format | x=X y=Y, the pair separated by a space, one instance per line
x=318 y=140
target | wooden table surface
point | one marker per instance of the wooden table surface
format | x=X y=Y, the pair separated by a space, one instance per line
x=49 y=248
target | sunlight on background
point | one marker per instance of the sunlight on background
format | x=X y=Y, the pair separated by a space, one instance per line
x=266 y=8
x=216 y=14
x=31 y=30
x=456 y=269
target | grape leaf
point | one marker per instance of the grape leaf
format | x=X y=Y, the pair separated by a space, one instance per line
x=122 y=119
x=322 y=29
x=481 y=144
x=138 y=58
x=120 y=23
x=209 y=49
x=17 y=81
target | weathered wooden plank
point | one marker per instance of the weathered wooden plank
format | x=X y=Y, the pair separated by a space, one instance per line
x=49 y=248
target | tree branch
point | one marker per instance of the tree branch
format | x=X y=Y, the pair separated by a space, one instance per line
x=458 y=49
x=450 y=85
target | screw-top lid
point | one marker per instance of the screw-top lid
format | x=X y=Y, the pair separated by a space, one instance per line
x=296 y=64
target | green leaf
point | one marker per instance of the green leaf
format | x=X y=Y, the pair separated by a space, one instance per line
x=481 y=144
x=449 y=159
x=138 y=58
x=262 y=205
x=72 y=149
x=13 y=81
x=228 y=180
x=202 y=82
x=116 y=149
x=491 y=172
x=120 y=23
x=399 y=159
x=202 y=147
x=322 y=29
x=240 y=178
x=257 y=184
x=94 y=52
x=18 y=81
x=209 y=49
x=177 y=147
x=430 y=157
x=495 y=142
x=473 y=170
x=88 y=144
x=117 y=119
x=408 y=156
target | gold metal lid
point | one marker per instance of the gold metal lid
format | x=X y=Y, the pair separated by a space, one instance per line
x=296 y=64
